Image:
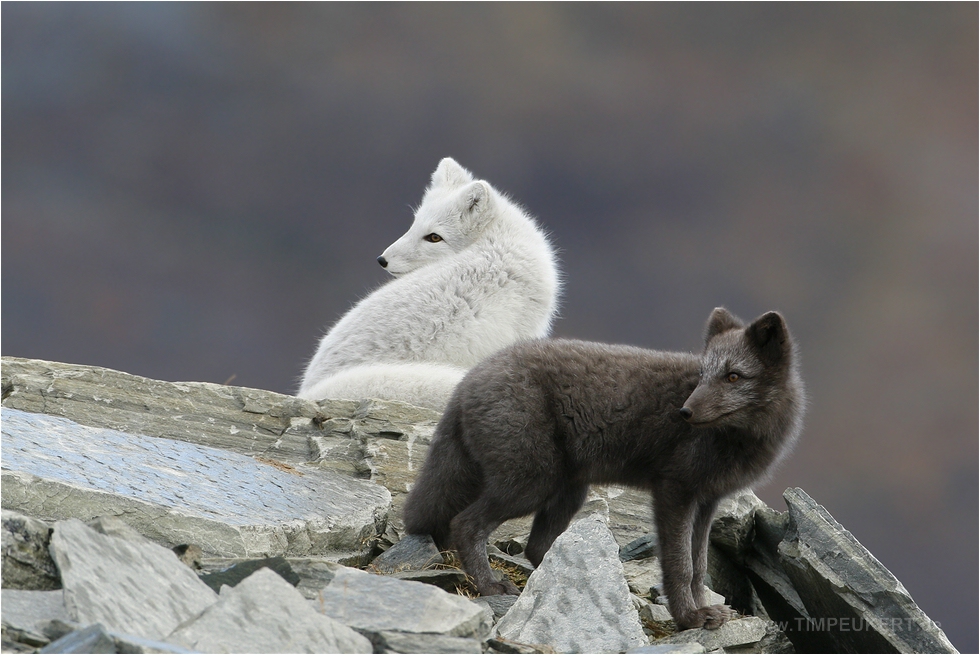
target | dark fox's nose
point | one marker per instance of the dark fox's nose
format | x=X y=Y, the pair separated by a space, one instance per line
x=686 y=413
x=383 y=262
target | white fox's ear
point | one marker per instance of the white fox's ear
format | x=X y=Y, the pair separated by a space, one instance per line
x=721 y=320
x=769 y=335
x=476 y=201
x=450 y=174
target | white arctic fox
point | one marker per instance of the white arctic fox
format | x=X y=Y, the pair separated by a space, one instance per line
x=473 y=274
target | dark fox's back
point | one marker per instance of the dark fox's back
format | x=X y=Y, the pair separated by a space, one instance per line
x=610 y=409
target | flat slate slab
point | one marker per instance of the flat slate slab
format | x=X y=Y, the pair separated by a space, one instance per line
x=175 y=492
x=577 y=601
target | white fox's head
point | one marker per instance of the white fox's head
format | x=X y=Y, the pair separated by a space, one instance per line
x=454 y=212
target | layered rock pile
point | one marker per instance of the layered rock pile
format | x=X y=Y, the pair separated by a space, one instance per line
x=156 y=517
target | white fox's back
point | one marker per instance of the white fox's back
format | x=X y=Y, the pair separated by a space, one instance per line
x=491 y=281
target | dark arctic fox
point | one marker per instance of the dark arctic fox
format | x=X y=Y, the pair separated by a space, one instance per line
x=532 y=426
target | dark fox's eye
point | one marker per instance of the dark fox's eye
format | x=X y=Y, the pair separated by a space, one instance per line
x=432 y=238
x=733 y=377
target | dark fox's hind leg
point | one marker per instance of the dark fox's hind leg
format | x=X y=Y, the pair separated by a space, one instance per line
x=448 y=482
x=552 y=519
x=470 y=530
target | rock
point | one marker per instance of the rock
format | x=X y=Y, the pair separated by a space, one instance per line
x=265 y=614
x=405 y=642
x=640 y=548
x=500 y=645
x=412 y=553
x=734 y=523
x=246 y=421
x=654 y=613
x=168 y=490
x=643 y=575
x=691 y=647
x=27 y=564
x=848 y=593
x=132 y=588
x=190 y=554
x=96 y=639
x=314 y=574
x=446 y=579
x=519 y=562
x=499 y=605
x=577 y=600
x=737 y=632
x=93 y=639
x=373 y=603
x=234 y=574
x=710 y=597
x=512 y=544
x=26 y=614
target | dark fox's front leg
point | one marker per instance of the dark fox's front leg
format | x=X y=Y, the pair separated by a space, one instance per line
x=677 y=519
x=699 y=555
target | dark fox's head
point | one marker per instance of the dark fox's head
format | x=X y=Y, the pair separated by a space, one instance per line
x=749 y=376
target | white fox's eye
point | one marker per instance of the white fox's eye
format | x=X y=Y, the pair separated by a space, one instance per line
x=432 y=238
x=733 y=377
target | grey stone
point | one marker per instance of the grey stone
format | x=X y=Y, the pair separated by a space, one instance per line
x=247 y=421
x=92 y=639
x=235 y=573
x=446 y=579
x=27 y=613
x=265 y=614
x=501 y=645
x=412 y=553
x=734 y=523
x=850 y=595
x=499 y=605
x=655 y=613
x=521 y=563
x=407 y=642
x=114 y=527
x=96 y=639
x=710 y=597
x=129 y=587
x=190 y=554
x=577 y=600
x=643 y=575
x=512 y=544
x=229 y=504
x=640 y=548
x=382 y=441
x=374 y=603
x=27 y=564
x=691 y=647
x=737 y=632
x=314 y=573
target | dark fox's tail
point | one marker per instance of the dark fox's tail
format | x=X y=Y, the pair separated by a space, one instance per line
x=449 y=481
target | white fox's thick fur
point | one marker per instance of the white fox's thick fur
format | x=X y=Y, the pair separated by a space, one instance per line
x=473 y=274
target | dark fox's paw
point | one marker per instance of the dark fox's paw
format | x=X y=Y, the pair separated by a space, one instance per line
x=711 y=617
x=501 y=587
x=715 y=615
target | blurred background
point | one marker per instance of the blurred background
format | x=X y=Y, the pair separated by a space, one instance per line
x=197 y=191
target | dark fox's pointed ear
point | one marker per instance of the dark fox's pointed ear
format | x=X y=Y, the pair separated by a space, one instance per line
x=769 y=335
x=721 y=320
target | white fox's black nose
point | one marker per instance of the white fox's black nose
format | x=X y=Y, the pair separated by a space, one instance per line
x=383 y=261
x=686 y=413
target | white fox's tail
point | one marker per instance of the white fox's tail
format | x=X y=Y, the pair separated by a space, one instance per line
x=424 y=385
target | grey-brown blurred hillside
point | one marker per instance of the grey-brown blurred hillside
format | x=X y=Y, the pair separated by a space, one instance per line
x=195 y=191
